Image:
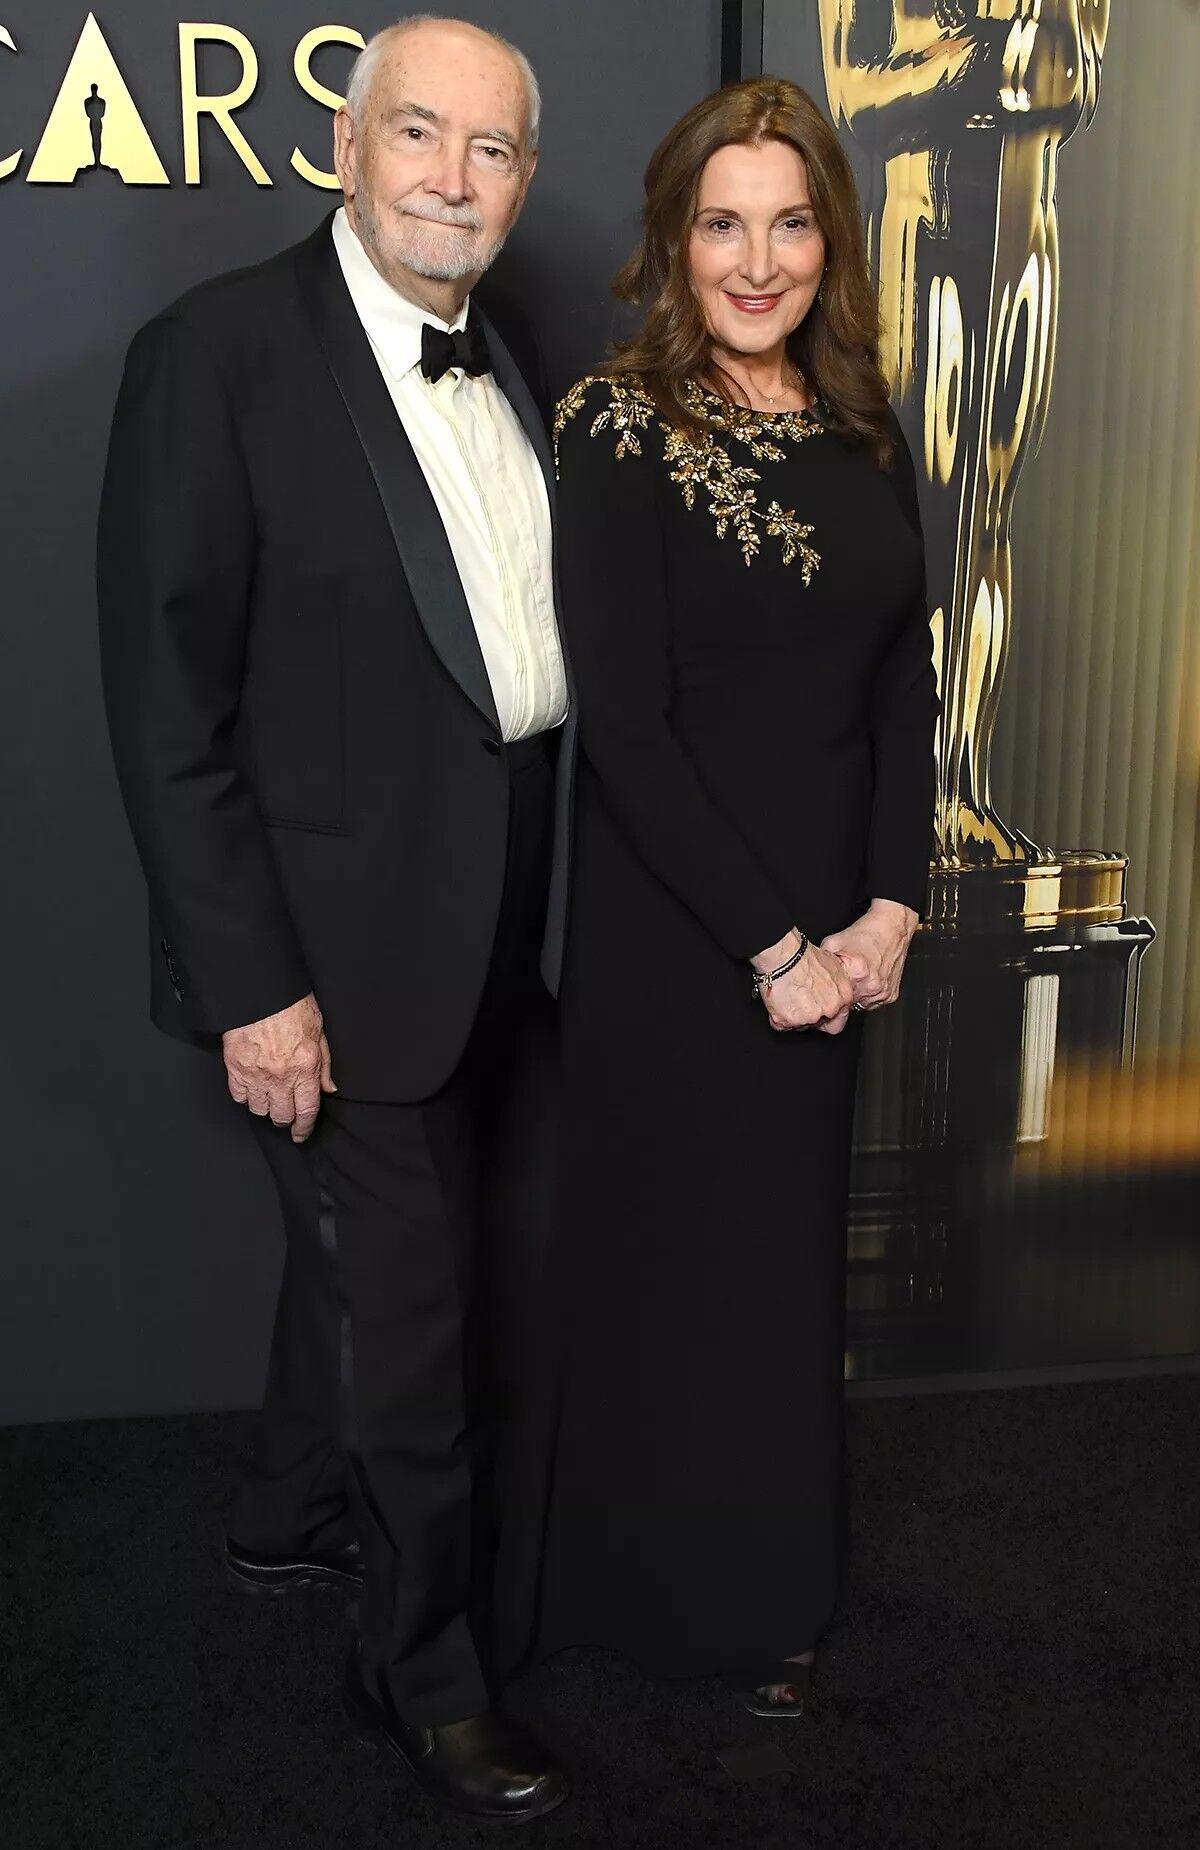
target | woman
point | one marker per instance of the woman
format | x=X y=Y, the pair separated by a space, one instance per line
x=743 y=595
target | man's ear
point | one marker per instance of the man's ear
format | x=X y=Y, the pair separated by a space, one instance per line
x=344 y=150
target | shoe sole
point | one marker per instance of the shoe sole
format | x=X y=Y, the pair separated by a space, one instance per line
x=270 y=1582
x=371 y=1736
x=775 y=1712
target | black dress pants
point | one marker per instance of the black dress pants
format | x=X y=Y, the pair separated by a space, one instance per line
x=401 y=1277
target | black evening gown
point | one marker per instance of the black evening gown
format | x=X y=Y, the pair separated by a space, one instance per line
x=745 y=611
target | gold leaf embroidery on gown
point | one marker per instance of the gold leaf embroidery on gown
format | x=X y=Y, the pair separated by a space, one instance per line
x=702 y=465
x=629 y=410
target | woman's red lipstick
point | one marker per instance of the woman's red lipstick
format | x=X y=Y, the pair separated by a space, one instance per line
x=754 y=304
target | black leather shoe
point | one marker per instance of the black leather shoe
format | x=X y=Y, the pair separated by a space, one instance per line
x=317 y=1567
x=487 y=1766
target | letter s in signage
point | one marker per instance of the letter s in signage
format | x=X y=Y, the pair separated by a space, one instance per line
x=320 y=35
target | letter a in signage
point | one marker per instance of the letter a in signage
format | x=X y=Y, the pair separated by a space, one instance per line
x=94 y=126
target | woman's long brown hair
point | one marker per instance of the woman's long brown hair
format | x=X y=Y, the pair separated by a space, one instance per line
x=836 y=347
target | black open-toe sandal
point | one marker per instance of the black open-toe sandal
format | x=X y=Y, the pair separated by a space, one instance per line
x=793 y=1679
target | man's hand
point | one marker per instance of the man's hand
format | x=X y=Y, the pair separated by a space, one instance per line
x=873 y=951
x=280 y=1066
x=817 y=993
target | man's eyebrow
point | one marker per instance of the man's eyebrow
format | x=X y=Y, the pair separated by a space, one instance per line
x=496 y=134
x=411 y=109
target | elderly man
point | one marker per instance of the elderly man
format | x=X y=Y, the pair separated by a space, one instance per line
x=336 y=693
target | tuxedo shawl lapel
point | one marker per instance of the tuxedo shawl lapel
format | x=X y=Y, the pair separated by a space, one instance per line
x=412 y=514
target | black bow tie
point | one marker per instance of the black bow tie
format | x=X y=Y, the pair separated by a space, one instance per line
x=440 y=351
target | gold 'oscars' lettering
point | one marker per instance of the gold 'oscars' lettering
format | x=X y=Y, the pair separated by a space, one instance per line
x=94 y=126
x=10 y=162
x=220 y=108
x=320 y=93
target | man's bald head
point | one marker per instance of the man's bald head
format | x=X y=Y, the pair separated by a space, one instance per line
x=390 y=42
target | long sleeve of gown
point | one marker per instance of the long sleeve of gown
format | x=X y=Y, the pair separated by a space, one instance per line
x=616 y=617
x=904 y=711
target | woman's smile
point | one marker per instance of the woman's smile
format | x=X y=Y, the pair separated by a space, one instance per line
x=754 y=304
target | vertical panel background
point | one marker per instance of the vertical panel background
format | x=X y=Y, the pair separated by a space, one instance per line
x=1098 y=740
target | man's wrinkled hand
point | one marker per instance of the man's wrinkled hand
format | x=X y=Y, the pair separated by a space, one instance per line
x=279 y=1067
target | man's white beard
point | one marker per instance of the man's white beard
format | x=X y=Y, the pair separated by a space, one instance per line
x=443 y=256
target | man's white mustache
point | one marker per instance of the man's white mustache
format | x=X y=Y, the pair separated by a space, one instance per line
x=442 y=215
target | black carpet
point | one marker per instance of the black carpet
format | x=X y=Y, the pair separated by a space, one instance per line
x=1017 y=1662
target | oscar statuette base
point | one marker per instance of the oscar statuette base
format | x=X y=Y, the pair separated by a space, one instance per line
x=1022 y=970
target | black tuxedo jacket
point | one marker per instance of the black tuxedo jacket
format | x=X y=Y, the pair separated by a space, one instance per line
x=301 y=718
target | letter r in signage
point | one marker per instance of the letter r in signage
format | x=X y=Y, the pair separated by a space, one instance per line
x=220 y=108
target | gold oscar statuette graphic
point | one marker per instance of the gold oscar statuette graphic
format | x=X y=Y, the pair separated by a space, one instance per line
x=94 y=126
x=962 y=109
x=964 y=106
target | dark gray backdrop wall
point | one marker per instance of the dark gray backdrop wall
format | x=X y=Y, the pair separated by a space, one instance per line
x=140 y=1248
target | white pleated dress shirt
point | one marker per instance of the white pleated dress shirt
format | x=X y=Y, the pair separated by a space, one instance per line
x=488 y=488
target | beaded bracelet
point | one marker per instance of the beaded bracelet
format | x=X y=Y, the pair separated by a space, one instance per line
x=763 y=979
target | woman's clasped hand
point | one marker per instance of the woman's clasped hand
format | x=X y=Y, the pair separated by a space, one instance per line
x=873 y=951
x=860 y=967
x=815 y=993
